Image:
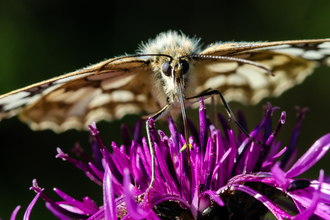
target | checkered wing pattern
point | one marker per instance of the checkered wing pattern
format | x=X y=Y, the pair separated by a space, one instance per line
x=100 y=92
x=290 y=61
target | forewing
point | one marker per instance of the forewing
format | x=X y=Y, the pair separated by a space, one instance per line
x=106 y=91
x=290 y=61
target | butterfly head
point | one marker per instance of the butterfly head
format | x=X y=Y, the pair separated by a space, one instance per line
x=170 y=65
x=173 y=71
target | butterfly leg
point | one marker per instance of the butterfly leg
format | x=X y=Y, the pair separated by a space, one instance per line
x=212 y=93
x=213 y=111
x=156 y=117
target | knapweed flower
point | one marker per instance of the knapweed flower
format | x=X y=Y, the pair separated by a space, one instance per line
x=231 y=177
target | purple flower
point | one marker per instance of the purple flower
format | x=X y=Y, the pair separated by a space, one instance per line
x=231 y=177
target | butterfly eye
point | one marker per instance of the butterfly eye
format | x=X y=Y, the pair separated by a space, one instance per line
x=166 y=68
x=185 y=66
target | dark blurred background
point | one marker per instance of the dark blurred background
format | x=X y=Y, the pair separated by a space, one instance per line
x=43 y=39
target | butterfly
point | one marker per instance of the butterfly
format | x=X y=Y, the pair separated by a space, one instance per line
x=144 y=82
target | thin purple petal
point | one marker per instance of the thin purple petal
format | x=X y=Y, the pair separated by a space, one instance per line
x=13 y=215
x=202 y=125
x=58 y=214
x=121 y=158
x=99 y=215
x=173 y=184
x=132 y=207
x=314 y=154
x=93 y=129
x=97 y=172
x=217 y=166
x=29 y=208
x=109 y=196
x=278 y=174
x=195 y=202
x=86 y=208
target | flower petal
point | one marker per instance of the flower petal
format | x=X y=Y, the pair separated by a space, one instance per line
x=278 y=174
x=86 y=208
x=13 y=215
x=58 y=214
x=29 y=208
x=217 y=166
x=109 y=196
x=202 y=125
x=133 y=209
x=314 y=154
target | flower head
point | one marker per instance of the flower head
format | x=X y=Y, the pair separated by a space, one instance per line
x=232 y=177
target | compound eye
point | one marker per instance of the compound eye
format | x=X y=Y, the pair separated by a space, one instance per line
x=185 y=66
x=167 y=69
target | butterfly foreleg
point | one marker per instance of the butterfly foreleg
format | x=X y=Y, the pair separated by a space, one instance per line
x=213 y=93
x=149 y=125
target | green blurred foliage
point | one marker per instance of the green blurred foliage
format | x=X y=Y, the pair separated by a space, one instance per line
x=44 y=39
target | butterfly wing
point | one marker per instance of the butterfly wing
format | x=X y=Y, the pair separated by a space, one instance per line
x=290 y=61
x=103 y=91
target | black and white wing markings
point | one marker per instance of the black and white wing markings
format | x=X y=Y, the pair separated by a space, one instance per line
x=13 y=102
x=77 y=99
x=290 y=61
